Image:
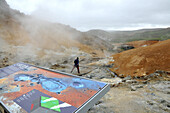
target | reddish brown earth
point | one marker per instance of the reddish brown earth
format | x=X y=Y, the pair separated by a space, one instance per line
x=143 y=60
x=141 y=43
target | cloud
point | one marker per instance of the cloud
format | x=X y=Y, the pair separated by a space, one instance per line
x=102 y=14
x=25 y=6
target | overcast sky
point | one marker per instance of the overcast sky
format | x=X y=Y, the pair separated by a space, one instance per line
x=99 y=14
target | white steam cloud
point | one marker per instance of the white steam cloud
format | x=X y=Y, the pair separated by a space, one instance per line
x=101 y=14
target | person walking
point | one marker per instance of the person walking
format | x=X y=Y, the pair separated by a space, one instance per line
x=76 y=64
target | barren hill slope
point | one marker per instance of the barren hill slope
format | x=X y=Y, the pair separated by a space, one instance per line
x=143 y=60
x=28 y=38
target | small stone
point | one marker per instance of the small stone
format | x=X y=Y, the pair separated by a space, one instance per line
x=89 y=76
x=163 y=101
x=138 y=77
x=101 y=77
x=151 y=75
x=127 y=78
x=156 y=74
x=113 y=82
x=123 y=80
x=99 y=102
x=146 y=77
x=131 y=81
x=142 y=77
x=139 y=86
x=133 y=88
x=159 y=71
x=121 y=75
x=150 y=103
x=113 y=74
x=145 y=82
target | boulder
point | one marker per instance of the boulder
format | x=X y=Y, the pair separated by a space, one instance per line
x=113 y=82
x=131 y=81
x=127 y=47
x=145 y=82
x=127 y=78
x=138 y=86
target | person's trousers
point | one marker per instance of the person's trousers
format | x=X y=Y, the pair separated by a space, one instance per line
x=78 y=68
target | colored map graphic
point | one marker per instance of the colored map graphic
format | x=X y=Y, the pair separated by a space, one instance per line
x=50 y=103
x=28 y=100
x=36 y=90
x=13 y=68
x=35 y=99
x=53 y=103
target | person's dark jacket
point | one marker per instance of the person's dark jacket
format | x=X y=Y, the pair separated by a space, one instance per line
x=76 y=62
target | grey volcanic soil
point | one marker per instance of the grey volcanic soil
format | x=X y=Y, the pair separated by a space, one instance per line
x=153 y=97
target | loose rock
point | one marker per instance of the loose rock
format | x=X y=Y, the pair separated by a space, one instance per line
x=113 y=82
x=133 y=88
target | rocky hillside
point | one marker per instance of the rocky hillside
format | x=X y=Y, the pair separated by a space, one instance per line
x=105 y=35
x=143 y=60
x=26 y=38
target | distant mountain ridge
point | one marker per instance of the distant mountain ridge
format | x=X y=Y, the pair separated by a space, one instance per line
x=126 y=36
